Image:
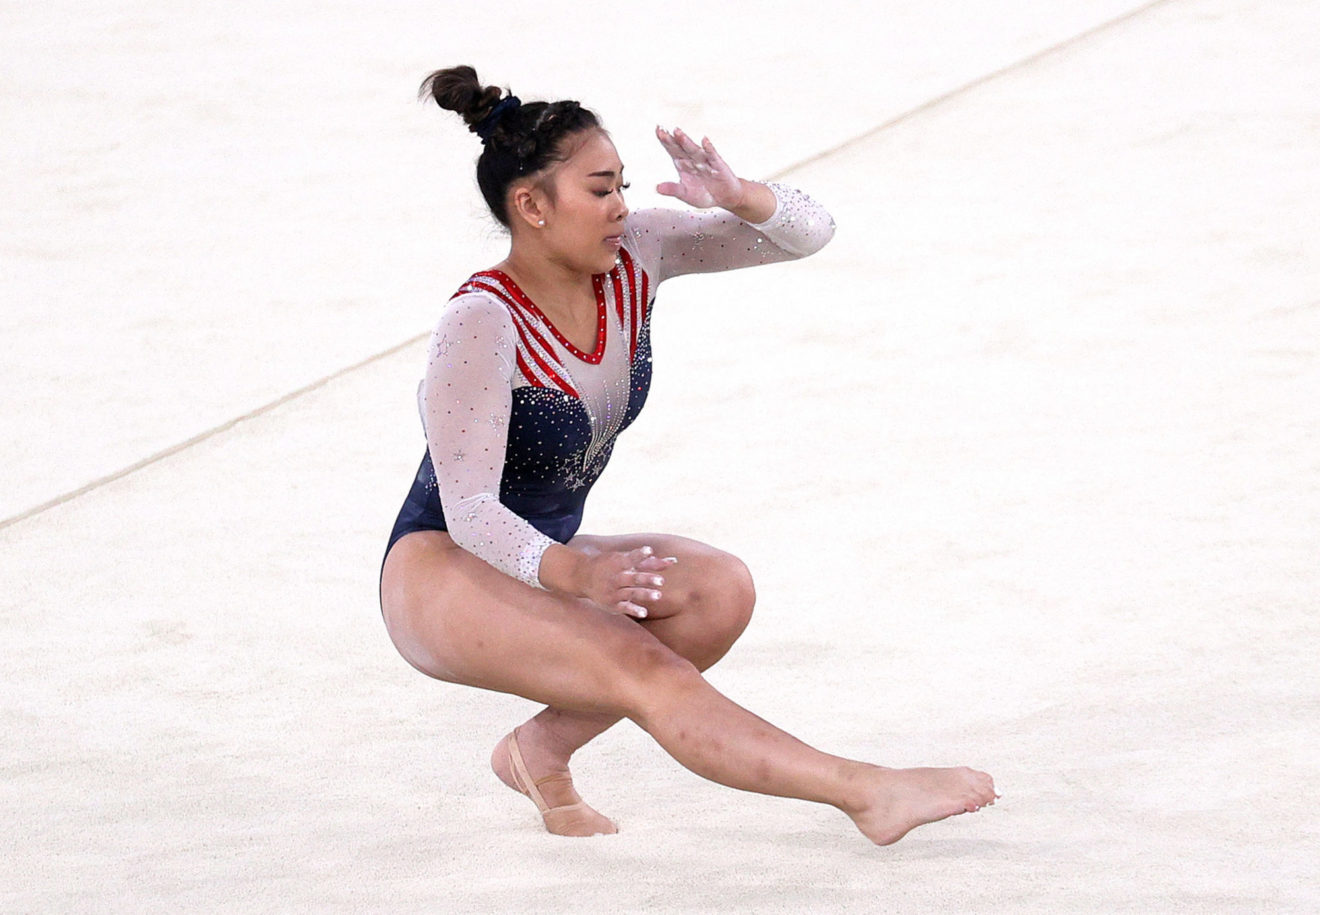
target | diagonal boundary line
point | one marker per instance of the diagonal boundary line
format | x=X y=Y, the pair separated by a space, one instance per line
x=969 y=86
x=411 y=341
x=212 y=432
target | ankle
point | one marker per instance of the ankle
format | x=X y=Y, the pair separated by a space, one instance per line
x=540 y=731
x=857 y=786
x=544 y=750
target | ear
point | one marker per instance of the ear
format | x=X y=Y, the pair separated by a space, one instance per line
x=528 y=204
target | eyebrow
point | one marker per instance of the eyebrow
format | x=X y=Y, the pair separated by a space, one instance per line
x=609 y=173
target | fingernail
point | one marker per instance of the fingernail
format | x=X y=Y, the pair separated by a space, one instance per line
x=641 y=613
x=670 y=559
x=659 y=581
x=647 y=551
x=655 y=595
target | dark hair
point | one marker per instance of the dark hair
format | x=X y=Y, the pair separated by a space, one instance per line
x=522 y=141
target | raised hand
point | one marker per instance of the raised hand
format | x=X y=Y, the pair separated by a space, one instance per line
x=704 y=179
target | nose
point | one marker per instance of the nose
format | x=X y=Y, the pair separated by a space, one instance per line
x=621 y=209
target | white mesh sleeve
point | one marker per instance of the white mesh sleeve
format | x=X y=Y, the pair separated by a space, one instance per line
x=676 y=242
x=466 y=400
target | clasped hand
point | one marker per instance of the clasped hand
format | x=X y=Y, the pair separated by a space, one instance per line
x=624 y=582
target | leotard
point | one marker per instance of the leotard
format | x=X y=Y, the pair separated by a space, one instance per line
x=520 y=423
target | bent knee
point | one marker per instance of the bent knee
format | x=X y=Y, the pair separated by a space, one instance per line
x=721 y=590
x=740 y=588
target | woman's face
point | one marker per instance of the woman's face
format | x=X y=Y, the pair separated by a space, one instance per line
x=584 y=210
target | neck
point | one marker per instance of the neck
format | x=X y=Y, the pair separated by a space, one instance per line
x=549 y=282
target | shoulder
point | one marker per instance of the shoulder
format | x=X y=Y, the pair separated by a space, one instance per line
x=477 y=310
x=483 y=293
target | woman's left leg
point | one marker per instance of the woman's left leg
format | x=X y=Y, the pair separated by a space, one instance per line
x=706 y=603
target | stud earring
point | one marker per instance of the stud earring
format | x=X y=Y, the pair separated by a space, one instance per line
x=541 y=223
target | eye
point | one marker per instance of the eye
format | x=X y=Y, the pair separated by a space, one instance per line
x=622 y=187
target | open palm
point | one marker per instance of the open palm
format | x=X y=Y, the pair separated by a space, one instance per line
x=704 y=179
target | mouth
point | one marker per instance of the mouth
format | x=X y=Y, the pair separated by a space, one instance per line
x=614 y=240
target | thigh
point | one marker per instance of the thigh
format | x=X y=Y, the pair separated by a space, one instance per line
x=457 y=618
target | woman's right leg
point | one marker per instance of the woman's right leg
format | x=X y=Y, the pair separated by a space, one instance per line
x=458 y=619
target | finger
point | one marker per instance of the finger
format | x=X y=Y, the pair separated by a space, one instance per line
x=633 y=610
x=682 y=164
x=639 y=555
x=668 y=188
x=641 y=596
x=641 y=578
x=658 y=564
x=714 y=158
x=688 y=145
x=673 y=144
x=670 y=144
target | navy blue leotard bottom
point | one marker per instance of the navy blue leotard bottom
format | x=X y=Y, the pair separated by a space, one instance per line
x=552 y=514
x=556 y=517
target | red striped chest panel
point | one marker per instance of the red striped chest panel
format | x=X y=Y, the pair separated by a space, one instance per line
x=570 y=405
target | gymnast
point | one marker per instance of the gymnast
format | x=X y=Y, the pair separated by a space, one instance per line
x=534 y=368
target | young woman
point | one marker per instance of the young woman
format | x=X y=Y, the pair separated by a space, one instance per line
x=536 y=365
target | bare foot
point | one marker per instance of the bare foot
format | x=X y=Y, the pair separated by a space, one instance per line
x=903 y=799
x=528 y=767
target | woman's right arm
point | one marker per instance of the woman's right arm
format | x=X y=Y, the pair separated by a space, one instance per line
x=467 y=399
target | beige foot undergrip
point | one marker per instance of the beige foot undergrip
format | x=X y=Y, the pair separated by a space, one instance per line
x=567 y=820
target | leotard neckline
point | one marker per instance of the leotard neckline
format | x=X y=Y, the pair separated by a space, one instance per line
x=523 y=299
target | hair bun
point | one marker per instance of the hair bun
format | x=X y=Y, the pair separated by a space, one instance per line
x=517 y=139
x=457 y=89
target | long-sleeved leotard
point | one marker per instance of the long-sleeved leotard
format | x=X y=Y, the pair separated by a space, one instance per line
x=520 y=422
